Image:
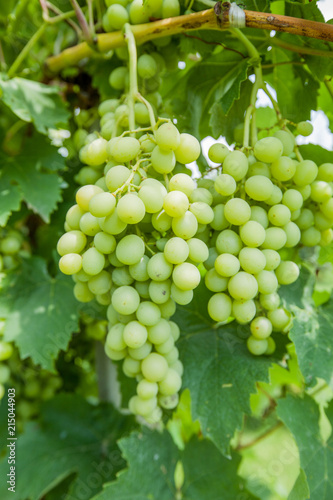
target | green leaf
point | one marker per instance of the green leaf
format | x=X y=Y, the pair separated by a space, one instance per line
x=27 y=177
x=72 y=438
x=34 y=102
x=316 y=153
x=41 y=312
x=258 y=5
x=300 y=490
x=301 y=416
x=152 y=459
x=218 y=369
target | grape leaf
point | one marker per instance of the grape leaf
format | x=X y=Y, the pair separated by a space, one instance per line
x=41 y=312
x=218 y=369
x=301 y=416
x=72 y=438
x=34 y=102
x=152 y=459
x=316 y=153
x=300 y=490
x=27 y=177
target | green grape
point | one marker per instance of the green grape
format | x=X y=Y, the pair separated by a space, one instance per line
x=306 y=172
x=219 y=222
x=275 y=197
x=252 y=260
x=236 y=165
x=89 y=224
x=214 y=282
x=218 y=153
x=243 y=311
x=114 y=261
x=159 y=269
x=147 y=66
x=304 y=128
x=252 y=234
x=188 y=149
x=142 y=288
x=159 y=291
x=125 y=300
x=130 y=209
x=257 y=347
x=310 y=237
x=160 y=332
x=165 y=347
x=273 y=259
x=102 y=204
x=270 y=301
x=135 y=334
x=305 y=191
x=305 y=219
x=116 y=177
x=279 y=215
x=186 y=226
x=170 y=384
x=228 y=241
x=293 y=234
x=201 y=195
x=198 y=250
x=104 y=243
x=70 y=242
x=109 y=105
x=268 y=149
x=259 y=168
x=280 y=319
x=121 y=276
x=70 y=263
x=284 y=168
x=259 y=187
x=167 y=137
x=227 y=265
x=209 y=263
x=321 y=222
x=267 y=281
x=292 y=199
x=93 y=261
x=118 y=78
x=327 y=208
x=261 y=328
x=181 y=297
x=186 y=276
x=225 y=185
x=183 y=183
x=148 y=313
x=130 y=249
x=11 y=245
x=175 y=331
x=82 y=292
x=275 y=238
x=325 y=172
x=321 y=191
x=73 y=217
x=124 y=149
x=288 y=141
x=138 y=13
x=94 y=153
x=287 y=272
x=143 y=407
x=243 y=286
x=141 y=114
x=101 y=283
x=131 y=367
x=170 y=8
x=178 y=367
x=326 y=237
x=168 y=402
x=6 y=350
x=83 y=197
x=154 y=367
x=175 y=203
x=219 y=307
x=176 y=250
x=114 y=339
x=146 y=389
x=87 y=175
x=237 y=211
x=147 y=144
x=138 y=271
x=79 y=138
x=163 y=161
x=259 y=214
x=151 y=198
x=203 y=212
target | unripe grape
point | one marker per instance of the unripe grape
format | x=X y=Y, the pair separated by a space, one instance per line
x=154 y=367
x=147 y=66
x=125 y=300
x=293 y=234
x=243 y=311
x=306 y=172
x=237 y=211
x=130 y=209
x=163 y=161
x=112 y=224
x=304 y=128
x=287 y=272
x=118 y=77
x=70 y=263
x=310 y=237
x=167 y=137
x=186 y=226
x=171 y=383
x=123 y=149
x=170 y=8
x=325 y=172
x=292 y=199
x=218 y=153
x=135 y=334
x=203 y=195
x=225 y=184
x=283 y=169
x=102 y=204
x=71 y=242
x=259 y=168
x=181 y=297
x=243 y=286
x=198 y=250
x=288 y=141
x=252 y=234
x=175 y=203
x=280 y=319
x=219 y=307
x=146 y=389
x=89 y=224
x=83 y=197
x=186 y=276
x=270 y=301
x=188 y=149
x=176 y=250
x=82 y=292
x=267 y=281
x=228 y=241
x=182 y=182
x=227 y=265
x=117 y=16
x=257 y=347
x=236 y=165
x=252 y=260
x=268 y=149
x=259 y=214
x=261 y=328
x=259 y=187
x=215 y=282
x=279 y=215
x=321 y=191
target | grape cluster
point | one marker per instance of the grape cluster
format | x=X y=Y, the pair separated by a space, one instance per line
x=270 y=202
x=131 y=244
x=11 y=244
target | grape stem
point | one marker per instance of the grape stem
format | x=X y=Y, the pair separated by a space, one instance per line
x=133 y=76
x=26 y=49
x=129 y=180
x=150 y=110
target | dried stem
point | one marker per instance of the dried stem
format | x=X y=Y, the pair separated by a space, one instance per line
x=206 y=19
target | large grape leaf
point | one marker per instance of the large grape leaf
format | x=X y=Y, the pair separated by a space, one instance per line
x=218 y=369
x=40 y=310
x=74 y=439
x=316 y=153
x=152 y=459
x=34 y=102
x=301 y=416
x=29 y=176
